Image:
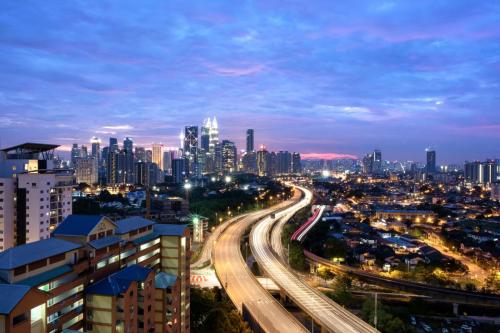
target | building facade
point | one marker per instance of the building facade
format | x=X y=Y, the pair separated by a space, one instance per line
x=97 y=275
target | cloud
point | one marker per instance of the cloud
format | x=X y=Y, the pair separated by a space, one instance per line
x=326 y=156
x=118 y=127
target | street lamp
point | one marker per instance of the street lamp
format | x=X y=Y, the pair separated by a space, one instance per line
x=187 y=187
x=227 y=179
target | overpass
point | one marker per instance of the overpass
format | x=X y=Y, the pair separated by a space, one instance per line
x=330 y=316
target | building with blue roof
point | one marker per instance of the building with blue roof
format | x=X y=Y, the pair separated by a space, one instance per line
x=28 y=253
x=21 y=308
x=132 y=223
x=170 y=229
x=92 y=247
x=127 y=296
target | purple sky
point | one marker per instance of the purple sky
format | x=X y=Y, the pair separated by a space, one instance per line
x=311 y=76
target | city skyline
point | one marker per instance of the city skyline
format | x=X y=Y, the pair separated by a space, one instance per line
x=318 y=79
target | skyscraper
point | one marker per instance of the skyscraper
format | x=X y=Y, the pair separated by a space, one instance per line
x=128 y=161
x=250 y=146
x=205 y=135
x=284 y=159
x=75 y=153
x=96 y=148
x=191 y=149
x=229 y=156
x=113 y=144
x=157 y=155
x=296 y=163
x=430 y=166
x=377 y=162
x=263 y=162
x=214 y=135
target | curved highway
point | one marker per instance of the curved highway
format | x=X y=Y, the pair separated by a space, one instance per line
x=241 y=285
x=328 y=314
x=206 y=252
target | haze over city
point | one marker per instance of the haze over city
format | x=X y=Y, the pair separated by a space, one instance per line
x=322 y=77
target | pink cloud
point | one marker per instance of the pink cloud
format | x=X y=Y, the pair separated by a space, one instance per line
x=326 y=156
x=238 y=71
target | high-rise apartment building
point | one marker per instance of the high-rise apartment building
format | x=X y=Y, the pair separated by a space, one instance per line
x=35 y=196
x=482 y=172
x=86 y=170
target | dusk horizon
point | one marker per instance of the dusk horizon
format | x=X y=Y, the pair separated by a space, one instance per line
x=324 y=80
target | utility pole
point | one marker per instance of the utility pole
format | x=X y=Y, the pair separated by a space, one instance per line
x=148 y=202
x=375 y=317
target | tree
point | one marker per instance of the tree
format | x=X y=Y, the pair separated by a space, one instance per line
x=386 y=321
x=211 y=312
x=296 y=256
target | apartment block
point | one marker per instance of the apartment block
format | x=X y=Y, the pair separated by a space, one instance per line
x=34 y=197
x=98 y=275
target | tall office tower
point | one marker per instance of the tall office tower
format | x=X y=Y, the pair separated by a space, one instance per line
x=249 y=161
x=367 y=164
x=157 y=155
x=128 y=145
x=214 y=135
x=229 y=156
x=75 y=152
x=377 y=162
x=147 y=173
x=205 y=135
x=284 y=162
x=103 y=166
x=140 y=154
x=86 y=170
x=35 y=196
x=250 y=146
x=430 y=166
x=84 y=151
x=113 y=144
x=112 y=168
x=95 y=143
x=167 y=162
x=190 y=140
x=179 y=170
x=263 y=162
x=296 y=163
x=218 y=158
x=149 y=155
x=128 y=168
x=191 y=149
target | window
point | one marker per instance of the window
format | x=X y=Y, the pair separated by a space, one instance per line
x=19 y=270
x=19 y=319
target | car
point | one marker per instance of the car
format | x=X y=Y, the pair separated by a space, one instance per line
x=466 y=328
x=426 y=327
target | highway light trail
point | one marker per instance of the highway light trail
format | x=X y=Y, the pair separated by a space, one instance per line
x=328 y=314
